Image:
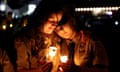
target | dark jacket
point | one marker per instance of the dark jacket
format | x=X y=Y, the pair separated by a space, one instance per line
x=5 y=63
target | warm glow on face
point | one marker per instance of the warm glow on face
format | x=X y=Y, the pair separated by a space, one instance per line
x=64 y=31
x=51 y=23
x=63 y=59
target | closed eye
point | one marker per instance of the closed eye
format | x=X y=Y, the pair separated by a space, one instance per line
x=59 y=28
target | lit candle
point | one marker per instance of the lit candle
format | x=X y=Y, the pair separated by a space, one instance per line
x=64 y=59
x=51 y=53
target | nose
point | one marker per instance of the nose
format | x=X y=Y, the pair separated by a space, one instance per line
x=57 y=29
x=54 y=24
x=53 y=27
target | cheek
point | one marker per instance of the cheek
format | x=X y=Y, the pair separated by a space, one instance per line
x=46 y=26
x=60 y=34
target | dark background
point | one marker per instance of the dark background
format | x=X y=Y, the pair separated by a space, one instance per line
x=108 y=32
x=15 y=4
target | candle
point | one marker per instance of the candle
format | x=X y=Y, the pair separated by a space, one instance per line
x=64 y=59
x=51 y=53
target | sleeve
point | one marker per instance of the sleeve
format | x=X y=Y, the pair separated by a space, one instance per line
x=100 y=54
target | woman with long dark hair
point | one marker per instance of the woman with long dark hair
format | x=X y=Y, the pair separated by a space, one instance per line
x=37 y=48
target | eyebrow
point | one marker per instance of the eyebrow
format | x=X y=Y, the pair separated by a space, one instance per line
x=53 y=21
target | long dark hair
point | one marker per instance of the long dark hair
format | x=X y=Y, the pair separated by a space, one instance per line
x=41 y=14
x=44 y=10
x=71 y=20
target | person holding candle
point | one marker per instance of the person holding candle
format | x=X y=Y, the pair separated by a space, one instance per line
x=37 y=48
x=85 y=54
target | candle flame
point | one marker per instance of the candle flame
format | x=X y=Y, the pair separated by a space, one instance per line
x=52 y=51
x=63 y=59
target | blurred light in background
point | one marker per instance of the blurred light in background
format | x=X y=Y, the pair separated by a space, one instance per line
x=4 y=27
x=96 y=8
x=2 y=7
x=108 y=12
x=31 y=8
x=97 y=11
x=11 y=25
x=116 y=23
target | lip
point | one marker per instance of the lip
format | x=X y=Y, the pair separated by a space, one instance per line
x=65 y=35
x=50 y=28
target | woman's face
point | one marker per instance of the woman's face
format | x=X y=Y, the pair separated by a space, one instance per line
x=65 y=31
x=52 y=22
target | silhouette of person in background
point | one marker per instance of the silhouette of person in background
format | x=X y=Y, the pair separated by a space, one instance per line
x=7 y=41
x=5 y=63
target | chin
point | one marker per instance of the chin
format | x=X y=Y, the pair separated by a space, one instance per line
x=65 y=37
x=48 y=32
